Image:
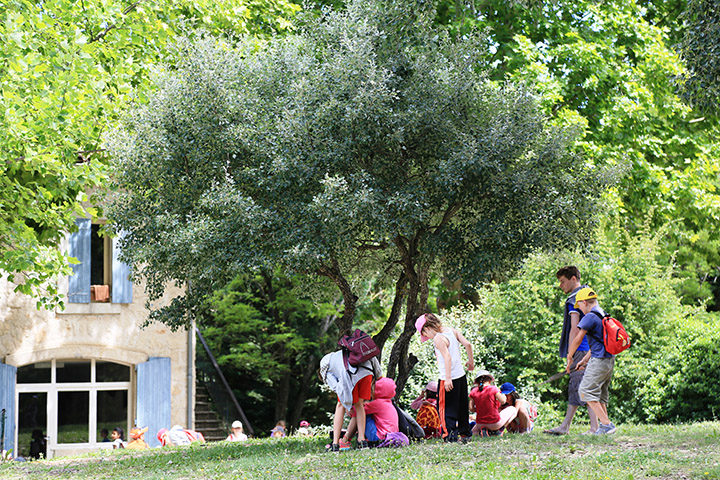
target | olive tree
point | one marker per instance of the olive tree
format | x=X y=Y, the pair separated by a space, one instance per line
x=368 y=143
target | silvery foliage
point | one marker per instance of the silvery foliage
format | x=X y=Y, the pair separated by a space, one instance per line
x=365 y=140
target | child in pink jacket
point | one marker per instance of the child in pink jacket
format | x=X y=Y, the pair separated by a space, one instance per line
x=381 y=416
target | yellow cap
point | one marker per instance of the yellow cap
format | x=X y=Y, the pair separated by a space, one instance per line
x=584 y=294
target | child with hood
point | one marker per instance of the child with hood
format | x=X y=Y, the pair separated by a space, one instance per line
x=381 y=416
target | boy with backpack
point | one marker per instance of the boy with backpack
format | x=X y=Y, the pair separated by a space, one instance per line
x=598 y=374
x=352 y=382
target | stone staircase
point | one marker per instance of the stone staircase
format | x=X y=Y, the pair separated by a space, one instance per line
x=207 y=421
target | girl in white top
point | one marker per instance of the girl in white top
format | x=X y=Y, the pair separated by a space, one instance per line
x=452 y=391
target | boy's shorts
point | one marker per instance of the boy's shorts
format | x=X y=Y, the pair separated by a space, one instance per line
x=363 y=389
x=596 y=381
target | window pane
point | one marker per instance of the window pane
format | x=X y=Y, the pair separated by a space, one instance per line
x=73 y=371
x=97 y=257
x=111 y=372
x=73 y=424
x=36 y=373
x=112 y=409
x=32 y=424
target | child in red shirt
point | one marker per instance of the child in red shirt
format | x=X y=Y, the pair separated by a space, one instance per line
x=486 y=399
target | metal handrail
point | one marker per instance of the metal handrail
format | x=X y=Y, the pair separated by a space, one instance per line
x=246 y=422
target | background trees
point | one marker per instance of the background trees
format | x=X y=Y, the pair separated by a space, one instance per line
x=68 y=70
x=612 y=66
x=701 y=52
x=269 y=338
x=367 y=143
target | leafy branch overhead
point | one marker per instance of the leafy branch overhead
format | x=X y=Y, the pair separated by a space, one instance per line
x=68 y=70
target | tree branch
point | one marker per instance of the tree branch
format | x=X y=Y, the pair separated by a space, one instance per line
x=400 y=291
x=349 y=298
x=101 y=34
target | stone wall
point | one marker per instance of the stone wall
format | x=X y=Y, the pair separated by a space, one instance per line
x=102 y=331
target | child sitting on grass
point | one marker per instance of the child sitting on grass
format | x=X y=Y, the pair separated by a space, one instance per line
x=427 y=416
x=138 y=439
x=526 y=412
x=381 y=417
x=486 y=399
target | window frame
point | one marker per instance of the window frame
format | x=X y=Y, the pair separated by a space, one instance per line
x=92 y=387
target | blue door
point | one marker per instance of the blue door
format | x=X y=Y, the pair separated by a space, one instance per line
x=153 y=397
x=8 y=375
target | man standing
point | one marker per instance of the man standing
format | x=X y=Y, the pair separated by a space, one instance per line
x=569 y=278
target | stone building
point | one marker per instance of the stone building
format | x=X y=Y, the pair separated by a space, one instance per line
x=73 y=373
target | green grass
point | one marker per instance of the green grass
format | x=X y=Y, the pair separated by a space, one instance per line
x=635 y=452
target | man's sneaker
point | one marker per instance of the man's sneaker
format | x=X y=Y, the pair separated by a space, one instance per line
x=606 y=429
x=361 y=444
x=344 y=445
x=332 y=447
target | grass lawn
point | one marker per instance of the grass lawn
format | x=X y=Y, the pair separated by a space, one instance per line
x=644 y=451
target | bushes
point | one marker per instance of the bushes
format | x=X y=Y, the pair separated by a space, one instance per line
x=687 y=389
x=668 y=374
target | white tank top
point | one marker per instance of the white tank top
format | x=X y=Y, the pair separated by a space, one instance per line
x=456 y=368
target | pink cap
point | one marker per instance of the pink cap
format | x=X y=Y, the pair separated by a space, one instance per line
x=419 y=324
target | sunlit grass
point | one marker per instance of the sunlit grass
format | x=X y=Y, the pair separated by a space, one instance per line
x=635 y=452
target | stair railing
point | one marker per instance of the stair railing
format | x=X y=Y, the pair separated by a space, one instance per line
x=226 y=390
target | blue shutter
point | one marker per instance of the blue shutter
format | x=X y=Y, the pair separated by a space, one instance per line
x=7 y=403
x=121 y=284
x=153 y=397
x=79 y=282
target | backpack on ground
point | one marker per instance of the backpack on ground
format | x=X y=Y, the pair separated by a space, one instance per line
x=408 y=425
x=357 y=348
x=615 y=338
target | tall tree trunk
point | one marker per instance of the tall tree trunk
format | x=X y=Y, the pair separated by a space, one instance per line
x=282 y=392
x=301 y=393
x=400 y=363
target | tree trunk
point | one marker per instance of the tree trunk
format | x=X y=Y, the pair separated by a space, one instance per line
x=299 y=398
x=349 y=298
x=394 y=317
x=282 y=392
x=309 y=369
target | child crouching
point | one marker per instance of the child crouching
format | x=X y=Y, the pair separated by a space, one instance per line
x=526 y=411
x=381 y=416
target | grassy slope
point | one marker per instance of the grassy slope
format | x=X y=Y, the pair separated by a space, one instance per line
x=668 y=452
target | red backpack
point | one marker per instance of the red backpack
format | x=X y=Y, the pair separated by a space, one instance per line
x=357 y=348
x=615 y=338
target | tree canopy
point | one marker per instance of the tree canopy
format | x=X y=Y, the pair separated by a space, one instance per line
x=612 y=65
x=68 y=70
x=367 y=143
x=701 y=52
